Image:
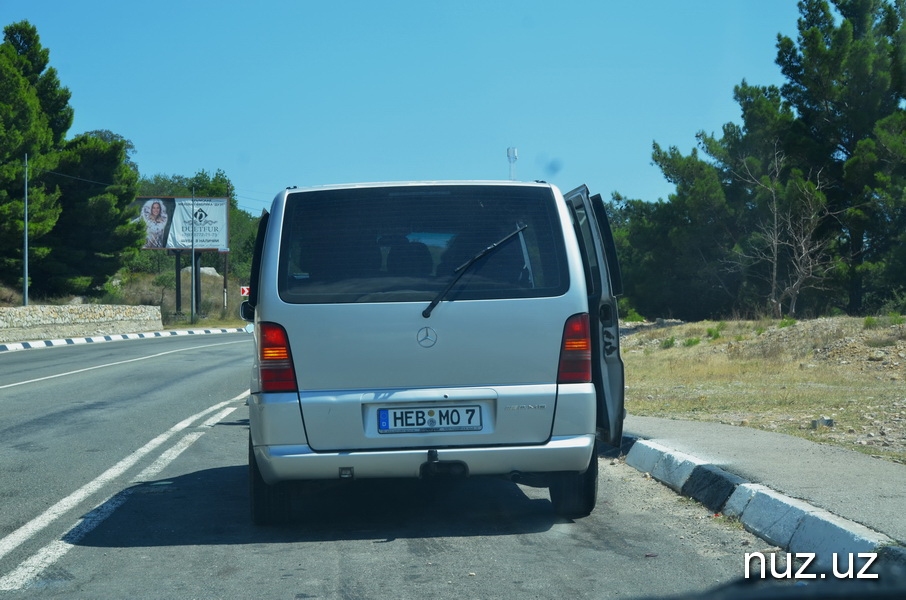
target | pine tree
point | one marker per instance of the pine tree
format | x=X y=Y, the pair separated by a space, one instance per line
x=845 y=77
x=95 y=226
x=25 y=130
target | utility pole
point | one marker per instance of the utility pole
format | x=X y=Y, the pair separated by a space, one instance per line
x=25 y=249
x=193 y=257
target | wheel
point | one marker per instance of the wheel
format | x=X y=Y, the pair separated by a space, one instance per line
x=270 y=504
x=575 y=494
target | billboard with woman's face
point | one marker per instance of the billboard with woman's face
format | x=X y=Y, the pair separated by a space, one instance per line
x=155 y=213
x=184 y=223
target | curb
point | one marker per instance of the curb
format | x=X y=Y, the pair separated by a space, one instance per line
x=792 y=524
x=33 y=345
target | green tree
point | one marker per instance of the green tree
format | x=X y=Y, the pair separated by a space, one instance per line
x=25 y=129
x=95 y=228
x=673 y=252
x=32 y=60
x=803 y=201
x=79 y=227
x=783 y=243
x=700 y=231
x=845 y=76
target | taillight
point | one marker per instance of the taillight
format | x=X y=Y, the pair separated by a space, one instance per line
x=575 y=353
x=275 y=364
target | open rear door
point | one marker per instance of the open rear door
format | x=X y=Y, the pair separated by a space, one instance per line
x=602 y=274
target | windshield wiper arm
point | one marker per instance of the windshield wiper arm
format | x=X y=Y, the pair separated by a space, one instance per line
x=461 y=269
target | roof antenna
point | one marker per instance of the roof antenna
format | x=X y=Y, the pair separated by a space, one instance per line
x=512 y=156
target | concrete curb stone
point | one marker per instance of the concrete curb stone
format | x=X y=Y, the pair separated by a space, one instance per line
x=712 y=486
x=792 y=524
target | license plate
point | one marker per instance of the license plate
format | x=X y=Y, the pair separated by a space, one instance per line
x=426 y=420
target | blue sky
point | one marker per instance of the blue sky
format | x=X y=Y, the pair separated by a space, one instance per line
x=279 y=93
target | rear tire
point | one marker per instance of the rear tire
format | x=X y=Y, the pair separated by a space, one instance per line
x=575 y=495
x=270 y=504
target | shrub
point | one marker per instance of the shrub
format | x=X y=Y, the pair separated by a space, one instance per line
x=714 y=332
x=884 y=341
x=629 y=314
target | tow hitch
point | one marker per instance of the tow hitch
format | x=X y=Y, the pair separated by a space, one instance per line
x=434 y=467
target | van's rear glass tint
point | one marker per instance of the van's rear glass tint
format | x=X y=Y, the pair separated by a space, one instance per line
x=399 y=244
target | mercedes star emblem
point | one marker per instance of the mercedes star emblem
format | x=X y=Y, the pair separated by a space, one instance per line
x=426 y=337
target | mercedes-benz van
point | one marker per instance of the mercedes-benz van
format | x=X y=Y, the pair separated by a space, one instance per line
x=408 y=330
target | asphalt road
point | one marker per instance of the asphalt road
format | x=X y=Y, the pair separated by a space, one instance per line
x=123 y=474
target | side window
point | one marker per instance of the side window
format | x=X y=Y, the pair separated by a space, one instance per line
x=610 y=248
x=587 y=245
x=256 y=258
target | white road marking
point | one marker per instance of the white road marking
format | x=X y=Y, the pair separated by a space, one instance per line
x=219 y=416
x=113 y=364
x=32 y=567
x=16 y=538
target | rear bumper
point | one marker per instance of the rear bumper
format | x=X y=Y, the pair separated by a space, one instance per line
x=300 y=462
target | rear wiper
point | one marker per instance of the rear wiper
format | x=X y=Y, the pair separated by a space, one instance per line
x=461 y=269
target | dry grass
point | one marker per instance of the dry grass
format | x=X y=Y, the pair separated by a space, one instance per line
x=777 y=378
x=161 y=291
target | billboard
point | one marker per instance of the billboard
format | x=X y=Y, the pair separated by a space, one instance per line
x=183 y=223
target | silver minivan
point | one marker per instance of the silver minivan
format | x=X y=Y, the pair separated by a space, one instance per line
x=421 y=329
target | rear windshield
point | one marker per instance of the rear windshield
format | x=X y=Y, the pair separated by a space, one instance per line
x=404 y=244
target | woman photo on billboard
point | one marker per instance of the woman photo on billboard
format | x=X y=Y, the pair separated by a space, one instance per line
x=154 y=214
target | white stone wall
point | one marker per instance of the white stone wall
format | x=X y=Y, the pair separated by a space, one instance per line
x=29 y=323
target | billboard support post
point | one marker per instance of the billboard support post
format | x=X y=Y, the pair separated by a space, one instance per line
x=226 y=264
x=198 y=284
x=178 y=262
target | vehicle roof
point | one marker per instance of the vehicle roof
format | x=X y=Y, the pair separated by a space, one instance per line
x=418 y=183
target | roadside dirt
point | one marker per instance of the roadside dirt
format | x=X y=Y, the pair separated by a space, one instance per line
x=868 y=354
